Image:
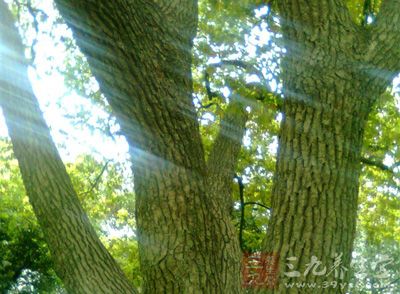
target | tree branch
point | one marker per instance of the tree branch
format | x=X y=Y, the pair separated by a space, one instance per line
x=257 y=203
x=242 y=208
x=97 y=180
x=380 y=165
x=261 y=87
x=210 y=93
x=383 y=167
x=208 y=105
x=244 y=65
x=238 y=63
x=152 y=102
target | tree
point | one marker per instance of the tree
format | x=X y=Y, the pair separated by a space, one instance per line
x=333 y=73
x=140 y=53
x=80 y=259
x=24 y=256
x=171 y=176
x=146 y=78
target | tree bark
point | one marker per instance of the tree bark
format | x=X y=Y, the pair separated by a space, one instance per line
x=140 y=53
x=80 y=259
x=332 y=74
x=225 y=152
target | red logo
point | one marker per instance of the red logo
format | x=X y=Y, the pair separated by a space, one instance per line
x=260 y=270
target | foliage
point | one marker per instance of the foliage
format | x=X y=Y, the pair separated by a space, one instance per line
x=22 y=245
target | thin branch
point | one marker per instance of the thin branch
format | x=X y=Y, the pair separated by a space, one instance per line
x=35 y=24
x=256 y=203
x=97 y=180
x=19 y=4
x=242 y=208
x=206 y=106
x=238 y=63
x=380 y=165
x=210 y=94
x=34 y=12
x=251 y=69
x=244 y=65
x=383 y=167
x=375 y=163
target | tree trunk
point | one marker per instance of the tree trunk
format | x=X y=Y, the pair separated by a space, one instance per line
x=80 y=259
x=140 y=53
x=225 y=151
x=330 y=81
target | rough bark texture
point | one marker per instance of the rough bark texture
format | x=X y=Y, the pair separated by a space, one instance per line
x=225 y=151
x=332 y=74
x=140 y=53
x=80 y=259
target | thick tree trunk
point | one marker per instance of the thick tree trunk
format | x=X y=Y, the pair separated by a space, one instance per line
x=330 y=84
x=140 y=53
x=316 y=185
x=80 y=259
